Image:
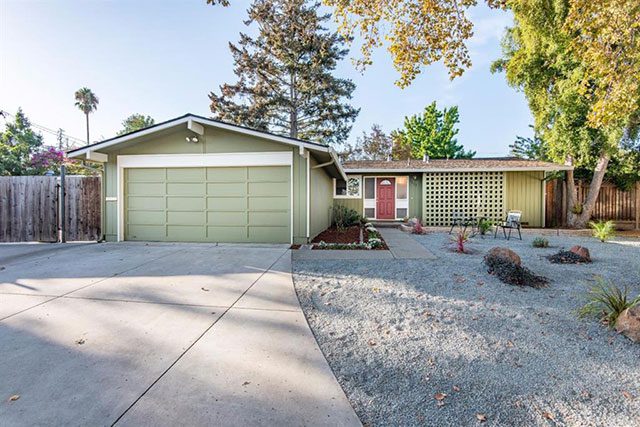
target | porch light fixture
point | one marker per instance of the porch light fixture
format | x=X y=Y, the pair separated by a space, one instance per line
x=192 y=139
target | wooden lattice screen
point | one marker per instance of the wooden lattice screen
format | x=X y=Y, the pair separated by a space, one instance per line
x=473 y=194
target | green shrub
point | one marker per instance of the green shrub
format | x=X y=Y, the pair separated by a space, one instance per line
x=484 y=225
x=606 y=301
x=540 y=242
x=603 y=230
x=344 y=217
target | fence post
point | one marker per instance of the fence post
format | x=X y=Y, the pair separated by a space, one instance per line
x=61 y=207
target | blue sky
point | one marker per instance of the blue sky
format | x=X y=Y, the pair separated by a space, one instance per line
x=162 y=58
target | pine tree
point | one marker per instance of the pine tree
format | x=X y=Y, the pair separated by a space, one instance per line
x=285 y=82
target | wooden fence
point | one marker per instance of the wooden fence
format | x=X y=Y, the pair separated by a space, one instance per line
x=615 y=204
x=29 y=207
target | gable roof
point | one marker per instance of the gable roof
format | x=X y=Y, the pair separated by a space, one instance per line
x=189 y=117
x=497 y=164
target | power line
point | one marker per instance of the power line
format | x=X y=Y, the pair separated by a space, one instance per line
x=5 y=113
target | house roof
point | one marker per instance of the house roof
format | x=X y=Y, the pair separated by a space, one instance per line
x=327 y=152
x=498 y=164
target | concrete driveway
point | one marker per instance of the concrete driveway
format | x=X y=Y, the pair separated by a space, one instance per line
x=158 y=334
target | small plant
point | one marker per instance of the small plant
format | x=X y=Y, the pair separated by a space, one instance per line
x=344 y=217
x=540 y=242
x=484 y=225
x=418 y=228
x=607 y=301
x=603 y=230
x=460 y=239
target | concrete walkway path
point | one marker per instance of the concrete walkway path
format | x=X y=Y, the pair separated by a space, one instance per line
x=403 y=246
x=160 y=334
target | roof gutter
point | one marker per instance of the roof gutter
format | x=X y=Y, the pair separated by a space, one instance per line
x=529 y=169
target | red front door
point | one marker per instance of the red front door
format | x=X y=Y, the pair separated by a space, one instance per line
x=385 y=198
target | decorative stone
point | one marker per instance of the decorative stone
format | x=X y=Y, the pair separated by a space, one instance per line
x=581 y=251
x=628 y=323
x=505 y=253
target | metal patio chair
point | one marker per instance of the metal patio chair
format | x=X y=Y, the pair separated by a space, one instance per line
x=513 y=222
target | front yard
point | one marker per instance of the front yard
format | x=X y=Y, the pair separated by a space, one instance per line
x=442 y=342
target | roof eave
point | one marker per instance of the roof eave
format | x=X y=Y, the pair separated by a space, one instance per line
x=512 y=169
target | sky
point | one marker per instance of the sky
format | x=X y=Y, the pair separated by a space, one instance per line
x=162 y=58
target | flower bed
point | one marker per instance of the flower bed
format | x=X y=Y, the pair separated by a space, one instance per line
x=349 y=239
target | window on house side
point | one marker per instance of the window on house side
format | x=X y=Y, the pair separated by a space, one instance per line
x=402 y=188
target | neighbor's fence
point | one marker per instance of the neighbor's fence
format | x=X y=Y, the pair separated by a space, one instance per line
x=615 y=204
x=29 y=208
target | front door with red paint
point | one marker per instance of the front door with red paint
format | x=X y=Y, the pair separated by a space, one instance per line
x=385 y=198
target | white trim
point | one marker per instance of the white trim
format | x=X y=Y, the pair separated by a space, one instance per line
x=270 y=158
x=358 y=196
x=110 y=199
x=195 y=127
x=427 y=170
x=97 y=157
x=544 y=200
x=308 y=194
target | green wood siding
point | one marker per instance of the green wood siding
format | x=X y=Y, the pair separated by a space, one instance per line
x=321 y=186
x=524 y=192
x=235 y=204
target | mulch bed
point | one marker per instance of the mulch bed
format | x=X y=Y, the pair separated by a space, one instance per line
x=567 y=257
x=348 y=235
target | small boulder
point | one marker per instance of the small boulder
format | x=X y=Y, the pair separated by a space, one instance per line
x=505 y=253
x=581 y=251
x=628 y=323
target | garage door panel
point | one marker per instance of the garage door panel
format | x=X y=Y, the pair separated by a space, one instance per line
x=269 y=174
x=227 y=189
x=146 y=232
x=186 y=175
x=146 y=203
x=268 y=218
x=186 y=233
x=145 y=189
x=146 y=175
x=227 y=204
x=146 y=217
x=269 y=234
x=244 y=204
x=269 y=203
x=186 y=189
x=186 y=218
x=226 y=174
x=227 y=218
x=185 y=203
x=268 y=188
x=227 y=234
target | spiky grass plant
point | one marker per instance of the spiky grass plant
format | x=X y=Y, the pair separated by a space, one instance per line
x=607 y=301
x=540 y=242
x=603 y=230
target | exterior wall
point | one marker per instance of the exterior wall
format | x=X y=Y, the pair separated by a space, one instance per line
x=213 y=141
x=321 y=186
x=524 y=192
x=415 y=194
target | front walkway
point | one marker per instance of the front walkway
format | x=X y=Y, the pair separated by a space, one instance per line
x=159 y=334
x=403 y=246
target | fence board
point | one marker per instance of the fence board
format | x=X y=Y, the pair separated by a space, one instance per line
x=29 y=208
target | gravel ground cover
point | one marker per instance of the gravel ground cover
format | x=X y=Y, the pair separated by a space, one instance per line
x=442 y=342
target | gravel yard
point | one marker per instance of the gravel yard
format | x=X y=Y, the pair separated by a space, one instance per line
x=416 y=342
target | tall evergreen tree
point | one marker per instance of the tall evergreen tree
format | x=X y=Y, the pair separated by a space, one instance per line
x=285 y=82
x=18 y=142
x=432 y=133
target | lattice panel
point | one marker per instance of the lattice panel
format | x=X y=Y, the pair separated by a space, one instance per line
x=471 y=193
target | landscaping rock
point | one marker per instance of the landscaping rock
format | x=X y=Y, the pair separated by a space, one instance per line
x=582 y=252
x=628 y=323
x=505 y=253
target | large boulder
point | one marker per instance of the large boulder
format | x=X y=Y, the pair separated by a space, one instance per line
x=506 y=254
x=582 y=252
x=628 y=323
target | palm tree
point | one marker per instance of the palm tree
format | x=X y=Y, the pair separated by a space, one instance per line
x=87 y=102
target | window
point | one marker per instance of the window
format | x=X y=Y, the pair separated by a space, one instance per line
x=401 y=212
x=401 y=189
x=369 y=212
x=369 y=188
x=347 y=189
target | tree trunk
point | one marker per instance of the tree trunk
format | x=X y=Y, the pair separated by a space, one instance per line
x=87 y=117
x=578 y=216
x=293 y=113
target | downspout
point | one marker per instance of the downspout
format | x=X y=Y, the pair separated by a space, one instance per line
x=308 y=194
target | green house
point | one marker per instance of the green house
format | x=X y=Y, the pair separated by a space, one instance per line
x=196 y=179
